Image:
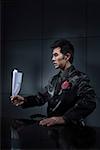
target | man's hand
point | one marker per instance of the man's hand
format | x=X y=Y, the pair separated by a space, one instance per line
x=17 y=100
x=52 y=121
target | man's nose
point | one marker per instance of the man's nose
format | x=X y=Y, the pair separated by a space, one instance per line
x=53 y=59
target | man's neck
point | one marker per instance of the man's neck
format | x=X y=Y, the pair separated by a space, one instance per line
x=68 y=64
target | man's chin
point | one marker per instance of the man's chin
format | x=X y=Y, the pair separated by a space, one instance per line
x=56 y=67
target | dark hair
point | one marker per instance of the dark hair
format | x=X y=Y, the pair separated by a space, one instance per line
x=66 y=47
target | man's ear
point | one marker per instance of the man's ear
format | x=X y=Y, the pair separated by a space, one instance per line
x=67 y=56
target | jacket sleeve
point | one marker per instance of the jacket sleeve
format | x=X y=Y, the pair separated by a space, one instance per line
x=86 y=102
x=36 y=100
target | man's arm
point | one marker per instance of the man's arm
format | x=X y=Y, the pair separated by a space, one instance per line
x=30 y=101
x=35 y=100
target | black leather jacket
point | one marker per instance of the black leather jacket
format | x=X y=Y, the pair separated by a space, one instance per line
x=69 y=94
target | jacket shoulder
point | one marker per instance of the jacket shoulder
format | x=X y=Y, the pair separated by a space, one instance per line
x=76 y=77
x=79 y=74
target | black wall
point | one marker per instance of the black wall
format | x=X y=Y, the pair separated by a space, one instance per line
x=28 y=29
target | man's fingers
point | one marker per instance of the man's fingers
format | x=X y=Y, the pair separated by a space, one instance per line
x=20 y=103
x=50 y=124
x=11 y=97
x=17 y=100
x=44 y=121
x=47 y=122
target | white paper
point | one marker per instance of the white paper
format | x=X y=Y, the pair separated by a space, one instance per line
x=16 y=82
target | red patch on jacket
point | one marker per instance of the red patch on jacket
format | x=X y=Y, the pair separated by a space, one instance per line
x=65 y=85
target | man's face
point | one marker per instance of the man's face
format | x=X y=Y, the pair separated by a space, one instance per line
x=59 y=60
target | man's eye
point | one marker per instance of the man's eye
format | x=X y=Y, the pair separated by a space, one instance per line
x=56 y=55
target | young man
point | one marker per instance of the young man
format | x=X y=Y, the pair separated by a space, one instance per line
x=69 y=94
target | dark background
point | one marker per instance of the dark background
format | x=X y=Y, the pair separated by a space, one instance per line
x=28 y=29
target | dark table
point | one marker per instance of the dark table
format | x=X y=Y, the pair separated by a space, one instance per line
x=28 y=134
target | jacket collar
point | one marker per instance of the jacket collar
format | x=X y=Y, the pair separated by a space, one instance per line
x=66 y=73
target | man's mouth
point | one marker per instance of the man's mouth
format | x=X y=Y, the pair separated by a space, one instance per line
x=54 y=64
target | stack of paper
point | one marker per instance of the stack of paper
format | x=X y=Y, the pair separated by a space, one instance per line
x=16 y=82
